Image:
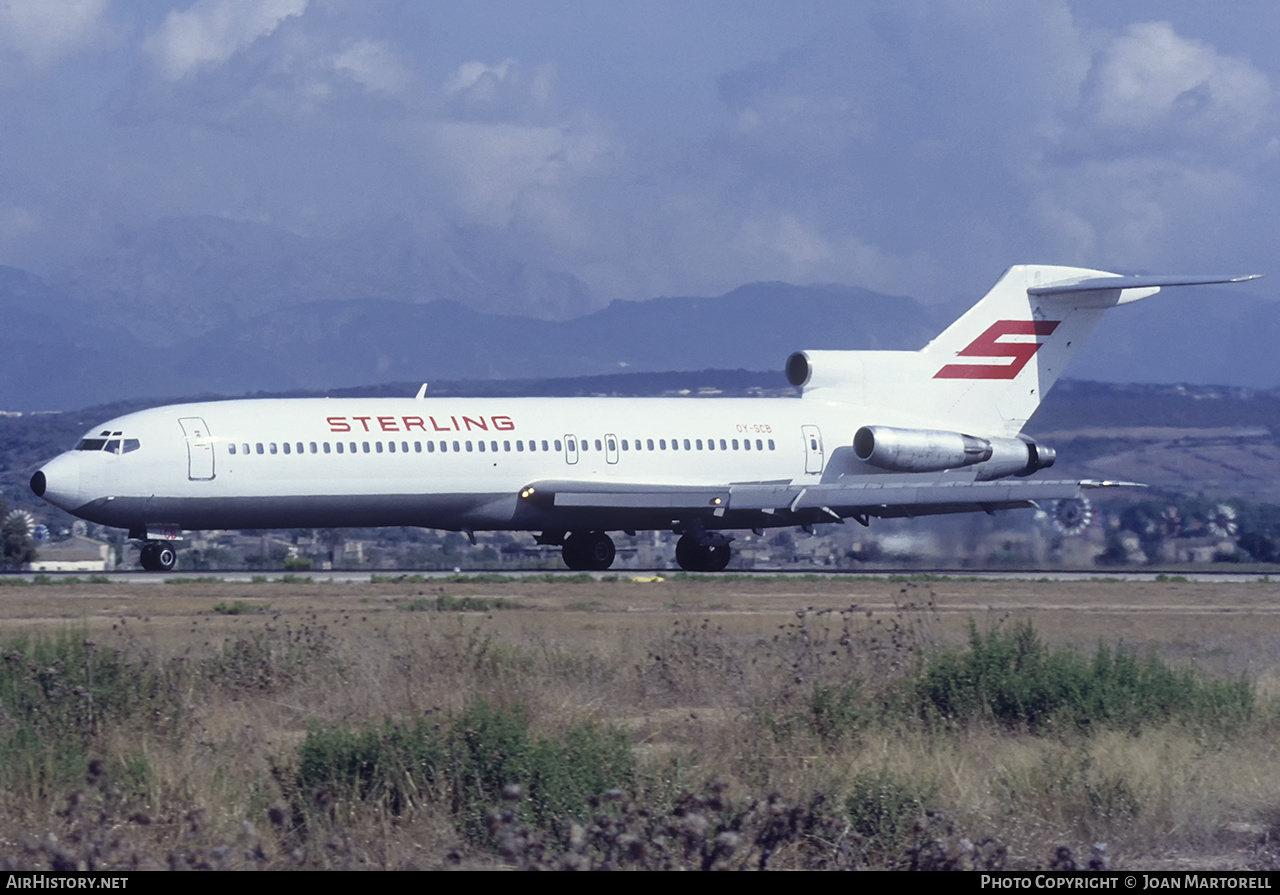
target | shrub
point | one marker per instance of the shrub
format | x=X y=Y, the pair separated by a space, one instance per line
x=465 y=764
x=1012 y=678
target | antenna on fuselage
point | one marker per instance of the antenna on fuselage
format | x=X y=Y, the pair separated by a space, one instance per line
x=422 y=392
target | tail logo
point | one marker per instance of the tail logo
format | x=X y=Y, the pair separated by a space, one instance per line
x=988 y=345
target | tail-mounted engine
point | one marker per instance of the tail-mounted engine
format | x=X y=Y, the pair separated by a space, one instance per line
x=928 y=450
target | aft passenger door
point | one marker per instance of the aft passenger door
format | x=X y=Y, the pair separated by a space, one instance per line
x=813 y=456
x=199 y=449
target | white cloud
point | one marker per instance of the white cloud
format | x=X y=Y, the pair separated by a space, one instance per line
x=43 y=30
x=211 y=31
x=1151 y=77
x=493 y=165
x=508 y=90
x=373 y=65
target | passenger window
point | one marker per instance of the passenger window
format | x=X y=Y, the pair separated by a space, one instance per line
x=377 y=446
x=260 y=450
x=746 y=444
x=493 y=446
x=544 y=445
x=245 y=448
x=391 y=446
x=571 y=446
x=686 y=444
x=231 y=449
x=404 y=447
x=313 y=447
x=520 y=446
x=711 y=444
x=649 y=443
x=584 y=445
x=272 y=447
x=735 y=444
x=469 y=446
x=339 y=447
x=624 y=444
x=698 y=444
x=759 y=445
x=506 y=446
x=456 y=447
x=771 y=444
x=598 y=446
x=723 y=446
x=613 y=445
x=286 y=447
x=558 y=445
x=662 y=443
x=481 y=443
x=326 y=446
x=352 y=447
x=366 y=446
x=417 y=447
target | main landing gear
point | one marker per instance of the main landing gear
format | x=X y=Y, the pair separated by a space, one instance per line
x=588 y=551
x=158 y=556
x=711 y=556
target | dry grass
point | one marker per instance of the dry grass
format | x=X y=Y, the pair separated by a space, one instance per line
x=710 y=680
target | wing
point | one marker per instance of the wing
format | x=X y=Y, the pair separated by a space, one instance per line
x=567 y=505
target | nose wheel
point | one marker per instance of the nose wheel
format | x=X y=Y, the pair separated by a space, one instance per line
x=157 y=556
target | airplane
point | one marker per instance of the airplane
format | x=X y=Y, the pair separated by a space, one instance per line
x=874 y=434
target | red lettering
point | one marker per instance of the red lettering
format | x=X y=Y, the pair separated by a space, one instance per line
x=338 y=424
x=456 y=427
x=989 y=345
x=503 y=423
x=479 y=424
x=364 y=421
x=437 y=426
x=388 y=424
x=413 y=422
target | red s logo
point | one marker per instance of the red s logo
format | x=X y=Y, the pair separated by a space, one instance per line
x=989 y=345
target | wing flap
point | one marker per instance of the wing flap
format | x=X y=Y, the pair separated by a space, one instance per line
x=786 y=502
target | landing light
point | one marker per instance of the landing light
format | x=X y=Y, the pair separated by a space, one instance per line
x=527 y=492
x=715 y=501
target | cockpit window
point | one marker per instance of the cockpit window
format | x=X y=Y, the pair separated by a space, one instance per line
x=111 y=445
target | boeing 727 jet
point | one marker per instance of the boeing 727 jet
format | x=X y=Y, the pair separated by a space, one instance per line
x=873 y=434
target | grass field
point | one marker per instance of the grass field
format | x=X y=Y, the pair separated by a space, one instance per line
x=688 y=722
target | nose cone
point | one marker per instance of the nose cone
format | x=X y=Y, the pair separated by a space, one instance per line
x=58 y=482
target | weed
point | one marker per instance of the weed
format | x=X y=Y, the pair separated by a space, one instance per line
x=883 y=808
x=240 y=607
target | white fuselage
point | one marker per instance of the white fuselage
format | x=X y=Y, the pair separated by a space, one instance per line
x=444 y=463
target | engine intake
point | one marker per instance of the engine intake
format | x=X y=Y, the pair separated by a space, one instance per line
x=931 y=450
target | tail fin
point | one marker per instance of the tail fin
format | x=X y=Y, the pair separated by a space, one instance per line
x=988 y=371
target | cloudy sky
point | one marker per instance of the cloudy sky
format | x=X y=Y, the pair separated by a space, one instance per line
x=660 y=147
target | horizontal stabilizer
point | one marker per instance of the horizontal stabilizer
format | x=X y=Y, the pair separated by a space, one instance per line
x=1097 y=284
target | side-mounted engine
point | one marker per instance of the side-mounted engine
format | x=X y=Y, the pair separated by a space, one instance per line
x=930 y=450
